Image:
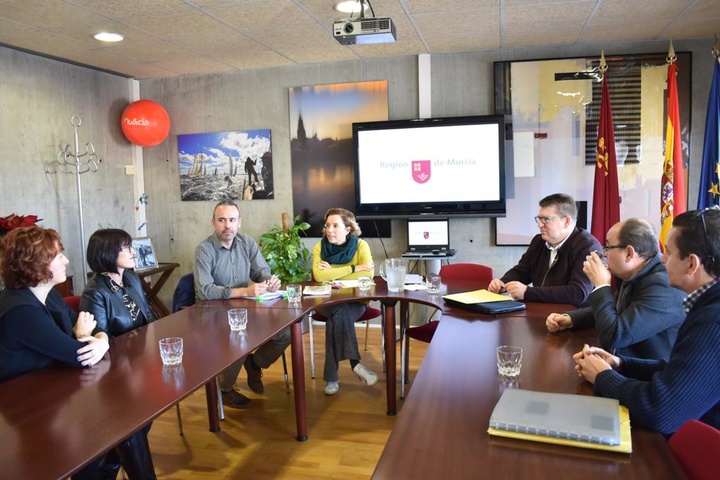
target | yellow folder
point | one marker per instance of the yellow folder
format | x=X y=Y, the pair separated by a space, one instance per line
x=625 y=437
x=477 y=296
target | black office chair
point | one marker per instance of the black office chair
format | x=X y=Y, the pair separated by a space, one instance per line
x=184 y=296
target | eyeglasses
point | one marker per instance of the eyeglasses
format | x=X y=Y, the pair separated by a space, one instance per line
x=328 y=226
x=545 y=220
x=610 y=247
x=128 y=248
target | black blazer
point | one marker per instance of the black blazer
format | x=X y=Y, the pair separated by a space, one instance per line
x=108 y=307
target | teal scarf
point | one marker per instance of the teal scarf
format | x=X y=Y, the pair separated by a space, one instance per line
x=339 y=254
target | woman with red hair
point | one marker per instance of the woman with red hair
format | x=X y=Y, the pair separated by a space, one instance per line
x=37 y=328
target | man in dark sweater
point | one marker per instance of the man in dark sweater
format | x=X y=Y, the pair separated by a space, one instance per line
x=662 y=395
x=553 y=263
x=642 y=318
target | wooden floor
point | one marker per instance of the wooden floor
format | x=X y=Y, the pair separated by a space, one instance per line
x=347 y=431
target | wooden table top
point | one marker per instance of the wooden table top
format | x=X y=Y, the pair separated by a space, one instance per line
x=441 y=430
x=65 y=417
x=55 y=420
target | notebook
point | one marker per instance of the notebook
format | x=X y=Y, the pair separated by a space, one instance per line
x=484 y=301
x=428 y=237
x=578 y=420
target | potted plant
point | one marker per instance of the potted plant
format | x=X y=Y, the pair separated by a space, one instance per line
x=288 y=257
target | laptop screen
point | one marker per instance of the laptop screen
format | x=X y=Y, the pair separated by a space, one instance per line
x=428 y=234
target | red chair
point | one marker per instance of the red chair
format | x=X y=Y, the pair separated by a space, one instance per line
x=73 y=302
x=369 y=314
x=424 y=333
x=696 y=445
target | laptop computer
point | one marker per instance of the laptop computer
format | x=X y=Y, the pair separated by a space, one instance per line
x=565 y=416
x=428 y=237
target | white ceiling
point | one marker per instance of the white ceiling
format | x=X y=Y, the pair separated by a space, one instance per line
x=166 y=38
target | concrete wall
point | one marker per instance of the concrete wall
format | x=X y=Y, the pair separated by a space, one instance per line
x=38 y=97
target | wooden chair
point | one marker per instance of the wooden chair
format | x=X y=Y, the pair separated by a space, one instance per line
x=696 y=445
x=369 y=314
x=424 y=333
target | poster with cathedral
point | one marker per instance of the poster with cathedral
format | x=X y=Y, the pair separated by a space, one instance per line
x=323 y=171
x=226 y=165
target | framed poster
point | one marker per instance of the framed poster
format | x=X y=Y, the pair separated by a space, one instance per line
x=553 y=106
x=226 y=165
x=321 y=148
x=144 y=253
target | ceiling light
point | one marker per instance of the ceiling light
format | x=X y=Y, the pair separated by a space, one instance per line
x=108 y=37
x=350 y=6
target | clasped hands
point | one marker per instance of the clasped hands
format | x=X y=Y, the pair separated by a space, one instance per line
x=95 y=346
x=590 y=361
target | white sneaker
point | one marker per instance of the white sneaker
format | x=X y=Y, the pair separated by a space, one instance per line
x=331 y=388
x=365 y=374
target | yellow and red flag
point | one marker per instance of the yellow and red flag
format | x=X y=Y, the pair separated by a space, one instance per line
x=673 y=196
x=606 y=196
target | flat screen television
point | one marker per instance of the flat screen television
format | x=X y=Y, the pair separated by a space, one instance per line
x=446 y=166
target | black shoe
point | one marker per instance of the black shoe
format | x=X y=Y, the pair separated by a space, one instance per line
x=235 y=399
x=254 y=376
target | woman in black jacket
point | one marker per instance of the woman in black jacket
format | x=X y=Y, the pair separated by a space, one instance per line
x=115 y=297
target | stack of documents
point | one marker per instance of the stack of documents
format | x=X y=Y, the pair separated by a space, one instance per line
x=566 y=419
x=484 y=301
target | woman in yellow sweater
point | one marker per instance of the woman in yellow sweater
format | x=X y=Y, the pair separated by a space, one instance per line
x=341 y=254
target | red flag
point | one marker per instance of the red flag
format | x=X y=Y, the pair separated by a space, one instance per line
x=606 y=196
x=673 y=196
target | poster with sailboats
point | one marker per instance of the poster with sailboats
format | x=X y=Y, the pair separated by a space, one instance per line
x=226 y=165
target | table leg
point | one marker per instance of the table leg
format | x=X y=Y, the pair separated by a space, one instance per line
x=390 y=356
x=298 y=371
x=211 y=391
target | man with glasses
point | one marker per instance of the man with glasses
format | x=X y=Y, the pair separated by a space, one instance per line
x=229 y=264
x=662 y=395
x=642 y=319
x=553 y=263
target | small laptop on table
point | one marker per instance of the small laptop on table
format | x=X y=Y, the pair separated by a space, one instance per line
x=428 y=237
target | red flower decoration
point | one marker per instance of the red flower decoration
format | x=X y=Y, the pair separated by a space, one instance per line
x=13 y=221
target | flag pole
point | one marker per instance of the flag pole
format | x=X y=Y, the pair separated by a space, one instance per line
x=709 y=192
x=673 y=193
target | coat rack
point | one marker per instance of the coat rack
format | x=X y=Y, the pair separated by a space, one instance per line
x=69 y=162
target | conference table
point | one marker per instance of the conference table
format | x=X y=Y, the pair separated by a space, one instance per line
x=67 y=417
x=441 y=431
x=56 y=420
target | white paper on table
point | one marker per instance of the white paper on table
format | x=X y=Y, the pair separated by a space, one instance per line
x=414 y=287
x=317 y=290
x=413 y=278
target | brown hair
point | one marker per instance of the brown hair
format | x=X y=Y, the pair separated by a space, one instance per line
x=26 y=254
x=348 y=219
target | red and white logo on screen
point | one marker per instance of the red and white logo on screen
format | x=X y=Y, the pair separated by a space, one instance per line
x=421 y=170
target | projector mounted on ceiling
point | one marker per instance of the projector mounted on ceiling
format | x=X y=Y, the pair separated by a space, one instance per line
x=363 y=31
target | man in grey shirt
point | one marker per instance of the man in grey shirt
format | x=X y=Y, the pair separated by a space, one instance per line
x=229 y=264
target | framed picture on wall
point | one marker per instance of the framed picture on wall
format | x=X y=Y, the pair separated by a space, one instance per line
x=235 y=165
x=553 y=107
x=144 y=253
x=321 y=148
